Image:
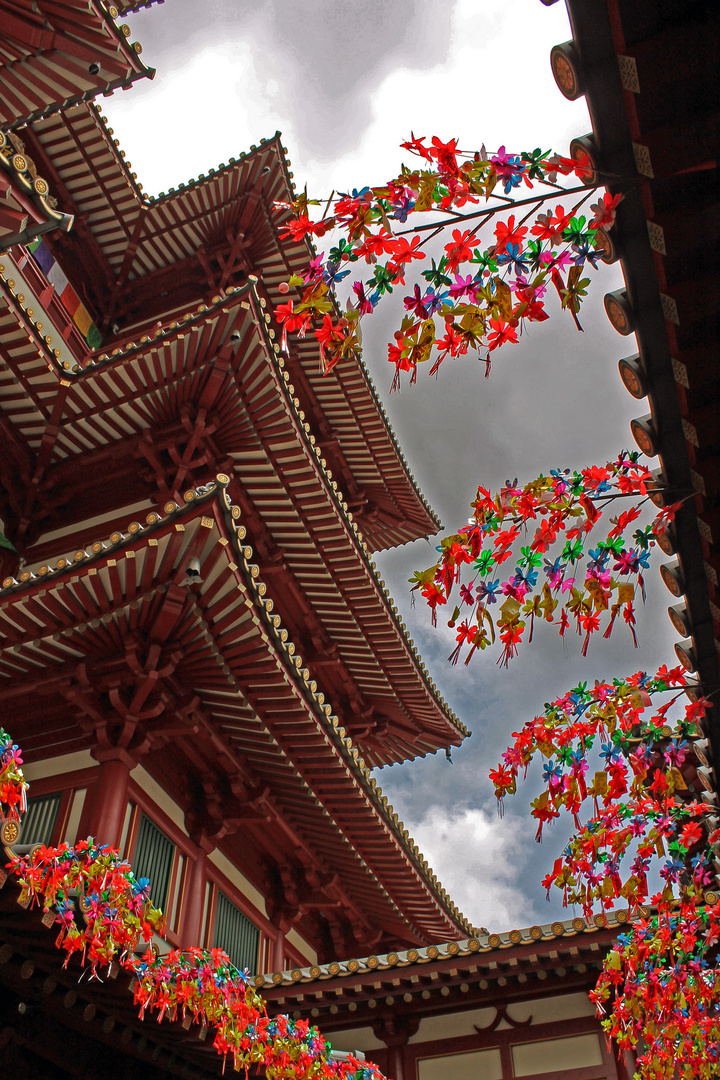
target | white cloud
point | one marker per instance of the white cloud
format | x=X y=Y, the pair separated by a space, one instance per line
x=167 y=128
x=480 y=860
x=343 y=94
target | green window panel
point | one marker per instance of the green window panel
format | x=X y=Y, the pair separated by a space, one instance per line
x=153 y=859
x=236 y=935
x=40 y=819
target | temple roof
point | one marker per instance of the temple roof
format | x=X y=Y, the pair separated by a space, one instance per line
x=487 y=970
x=55 y=53
x=250 y=714
x=117 y=416
x=649 y=74
x=189 y=244
x=485 y=947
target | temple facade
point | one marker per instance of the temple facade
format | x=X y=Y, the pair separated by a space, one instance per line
x=228 y=666
x=197 y=654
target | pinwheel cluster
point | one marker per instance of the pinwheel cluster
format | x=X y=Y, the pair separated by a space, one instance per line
x=641 y=806
x=204 y=985
x=479 y=294
x=663 y=980
x=578 y=586
x=116 y=906
x=659 y=980
x=118 y=917
x=13 y=786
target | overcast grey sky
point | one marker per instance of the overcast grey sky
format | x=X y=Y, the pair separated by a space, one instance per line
x=346 y=82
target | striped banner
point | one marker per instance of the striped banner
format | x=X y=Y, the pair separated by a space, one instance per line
x=68 y=297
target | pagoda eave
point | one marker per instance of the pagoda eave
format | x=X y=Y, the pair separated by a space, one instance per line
x=67 y=44
x=239 y=672
x=142 y=243
x=276 y=467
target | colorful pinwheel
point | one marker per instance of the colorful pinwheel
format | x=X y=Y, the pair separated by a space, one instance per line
x=580 y=586
x=482 y=299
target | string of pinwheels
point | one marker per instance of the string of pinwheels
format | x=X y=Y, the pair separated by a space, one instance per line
x=637 y=816
x=104 y=914
x=481 y=293
x=543 y=532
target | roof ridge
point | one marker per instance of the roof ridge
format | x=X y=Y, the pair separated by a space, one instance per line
x=481 y=942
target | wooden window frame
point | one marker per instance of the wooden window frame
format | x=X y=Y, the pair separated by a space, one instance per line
x=185 y=853
x=213 y=907
x=66 y=784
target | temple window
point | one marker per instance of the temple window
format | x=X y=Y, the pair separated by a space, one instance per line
x=68 y=297
x=153 y=857
x=235 y=934
x=39 y=823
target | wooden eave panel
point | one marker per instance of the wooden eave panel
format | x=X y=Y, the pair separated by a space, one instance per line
x=172 y=232
x=92 y=596
x=281 y=473
x=70 y=34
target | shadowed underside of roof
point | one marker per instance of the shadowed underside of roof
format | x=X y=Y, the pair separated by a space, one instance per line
x=54 y=53
x=117 y=416
x=244 y=679
x=151 y=258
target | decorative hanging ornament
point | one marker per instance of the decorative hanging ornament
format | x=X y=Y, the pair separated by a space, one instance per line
x=574 y=586
x=642 y=821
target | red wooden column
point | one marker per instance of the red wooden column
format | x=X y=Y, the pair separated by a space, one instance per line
x=193 y=902
x=110 y=797
x=396 y=1067
x=278 y=952
x=395 y=1031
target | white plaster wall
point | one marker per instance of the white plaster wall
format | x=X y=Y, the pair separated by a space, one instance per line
x=65 y=763
x=554 y=1055
x=542 y=1010
x=474 y=1065
x=357 y=1039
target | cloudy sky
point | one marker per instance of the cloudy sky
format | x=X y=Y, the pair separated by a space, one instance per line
x=346 y=82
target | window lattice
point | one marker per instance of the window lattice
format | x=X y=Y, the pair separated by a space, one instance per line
x=235 y=934
x=39 y=821
x=153 y=859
